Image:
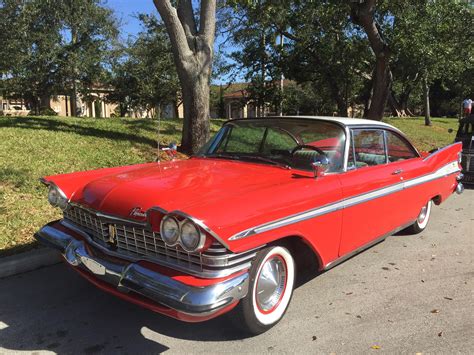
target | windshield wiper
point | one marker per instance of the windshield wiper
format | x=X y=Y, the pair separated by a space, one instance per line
x=222 y=156
x=266 y=160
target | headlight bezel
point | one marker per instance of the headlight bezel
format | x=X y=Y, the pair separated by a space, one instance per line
x=201 y=238
x=181 y=222
x=60 y=200
x=162 y=234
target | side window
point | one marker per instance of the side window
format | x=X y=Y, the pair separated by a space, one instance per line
x=369 y=147
x=398 y=148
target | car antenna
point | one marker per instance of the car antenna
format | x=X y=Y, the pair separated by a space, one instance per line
x=158 y=138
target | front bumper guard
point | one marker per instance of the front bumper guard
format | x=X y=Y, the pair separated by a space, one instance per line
x=126 y=276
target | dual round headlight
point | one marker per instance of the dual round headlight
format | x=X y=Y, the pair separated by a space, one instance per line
x=57 y=198
x=184 y=233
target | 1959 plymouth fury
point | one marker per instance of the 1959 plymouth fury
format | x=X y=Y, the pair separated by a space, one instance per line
x=232 y=227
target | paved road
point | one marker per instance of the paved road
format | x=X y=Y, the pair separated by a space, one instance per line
x=408 y=294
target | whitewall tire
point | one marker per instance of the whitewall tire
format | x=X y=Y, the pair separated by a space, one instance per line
x=272 y=278
x=422 y=219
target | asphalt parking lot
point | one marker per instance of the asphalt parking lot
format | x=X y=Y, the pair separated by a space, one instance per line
x=409 y=294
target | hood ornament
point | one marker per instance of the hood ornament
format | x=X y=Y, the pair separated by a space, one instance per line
x=112 y=240
x=138 y=212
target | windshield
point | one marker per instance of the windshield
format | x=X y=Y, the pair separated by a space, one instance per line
x=291 y=142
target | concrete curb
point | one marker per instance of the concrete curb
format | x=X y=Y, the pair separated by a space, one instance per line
x=28 y=261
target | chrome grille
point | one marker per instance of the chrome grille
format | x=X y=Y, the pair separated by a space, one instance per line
x=88 y=222
x=137 y=242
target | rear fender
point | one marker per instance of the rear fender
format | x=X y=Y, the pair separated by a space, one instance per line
x=444 y=156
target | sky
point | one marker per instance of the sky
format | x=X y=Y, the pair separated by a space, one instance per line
x=127 y=10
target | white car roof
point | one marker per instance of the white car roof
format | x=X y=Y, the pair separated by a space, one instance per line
x=346 y=121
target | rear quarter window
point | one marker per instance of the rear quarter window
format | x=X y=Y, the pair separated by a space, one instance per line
x=398 y=148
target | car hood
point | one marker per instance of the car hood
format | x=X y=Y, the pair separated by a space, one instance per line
x=200 y=187
x=227 y=196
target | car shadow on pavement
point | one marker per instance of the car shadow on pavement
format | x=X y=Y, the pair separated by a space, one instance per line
x=55 y=309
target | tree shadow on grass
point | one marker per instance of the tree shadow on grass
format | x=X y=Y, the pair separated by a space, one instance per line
x=18 y=177
x=51 y=124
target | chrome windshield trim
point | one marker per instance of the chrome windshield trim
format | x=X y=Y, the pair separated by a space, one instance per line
x=446 y=170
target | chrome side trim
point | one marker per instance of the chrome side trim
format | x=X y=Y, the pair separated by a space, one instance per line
x=364 y=247
x=446 y=170
x=197 y=301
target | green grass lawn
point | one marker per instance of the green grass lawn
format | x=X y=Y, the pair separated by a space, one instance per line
x=31 y=147
x=426 y=138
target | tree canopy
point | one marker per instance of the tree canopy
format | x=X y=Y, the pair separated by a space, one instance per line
x=361 y=58
x=54 y=46
x=143 y=74
x=354 y=53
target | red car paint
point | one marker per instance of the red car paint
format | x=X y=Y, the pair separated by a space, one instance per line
x=232 y=196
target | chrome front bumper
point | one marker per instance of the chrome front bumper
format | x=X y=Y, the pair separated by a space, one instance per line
x=126 y=277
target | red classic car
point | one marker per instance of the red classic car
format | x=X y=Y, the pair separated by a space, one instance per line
x=232 y=227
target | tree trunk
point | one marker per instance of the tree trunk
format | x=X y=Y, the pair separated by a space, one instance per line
x=196 y=109
x=398 y=107
x=45 y=103
x=381 y=84
x=394 y=105
x=158 y=110
x=192 y=53
x=363 y=15
x=337 y=96
x=74 y=105
x=341 y=106
x=176 y=109
x=123 y=109
x=426 y=97
x=368 y=103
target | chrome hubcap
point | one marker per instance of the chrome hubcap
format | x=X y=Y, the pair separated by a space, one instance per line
x=271 y=283
x=422 y=215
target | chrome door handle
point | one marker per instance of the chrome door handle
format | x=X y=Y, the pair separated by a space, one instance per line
x=398 y=171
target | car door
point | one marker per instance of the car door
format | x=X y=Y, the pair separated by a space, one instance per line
x=371 y=188
x=405 y=160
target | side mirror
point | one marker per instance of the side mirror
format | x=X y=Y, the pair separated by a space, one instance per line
x=173 y=146
x=450 y=130
x=320 y=166
x=171 y=150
